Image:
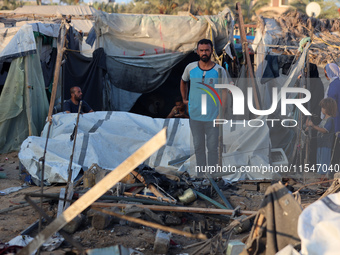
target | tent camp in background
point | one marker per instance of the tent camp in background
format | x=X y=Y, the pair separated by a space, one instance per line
x=27 y=62
x=277 y=42
x=146 y=55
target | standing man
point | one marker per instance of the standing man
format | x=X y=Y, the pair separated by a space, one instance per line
x=72 y=105
x=203 y=75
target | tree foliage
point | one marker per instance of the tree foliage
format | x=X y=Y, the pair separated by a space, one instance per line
x=105 y=7
x=11 y=5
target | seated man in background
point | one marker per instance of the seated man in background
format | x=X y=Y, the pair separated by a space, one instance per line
x=179 y=110
x=72 y=105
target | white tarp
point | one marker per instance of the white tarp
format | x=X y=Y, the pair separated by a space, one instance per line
x=319 y=226
x=108 y=138
x=145 y=35
x=16 y=42
x=19 y=41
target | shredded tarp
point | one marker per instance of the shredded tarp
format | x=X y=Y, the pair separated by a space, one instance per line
x=108 y=138
x=23 y=103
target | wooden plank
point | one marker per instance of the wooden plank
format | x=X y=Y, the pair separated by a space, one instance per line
x=153 y=225
x=246 y=52
x=97 y=191
x=60 y=48
x=165 y=208
x=152 y=188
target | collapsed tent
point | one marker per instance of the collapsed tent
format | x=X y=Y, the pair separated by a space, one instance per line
x=100 y=140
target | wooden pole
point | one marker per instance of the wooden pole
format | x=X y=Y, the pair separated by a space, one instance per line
x=97 y=191
x=220 y=127
x=69 y=187
x=164 y=208
x=246 y=51
x=60 y=52
x=28 y=97
x=152 y=188
x=154 y=225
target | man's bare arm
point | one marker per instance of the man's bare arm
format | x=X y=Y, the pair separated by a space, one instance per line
x=184 y=91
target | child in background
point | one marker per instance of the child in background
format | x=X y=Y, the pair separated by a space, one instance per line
x=179 y=110
x=325 y=136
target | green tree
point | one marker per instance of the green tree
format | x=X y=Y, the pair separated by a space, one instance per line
x=71 y=2
x=105 y=7
x=250 y=8
x=11 y=5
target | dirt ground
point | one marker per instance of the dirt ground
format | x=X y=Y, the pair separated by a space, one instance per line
x=142 y=238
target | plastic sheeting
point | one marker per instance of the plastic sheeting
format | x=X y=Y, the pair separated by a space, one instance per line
x=19 y=41
x=16 y=42
x=23 y=103
x=145 y=35
x=105 y=138
x=142 y=49
x=319 y=226
x=108 y=138
x=246 y=153
x=281 y=137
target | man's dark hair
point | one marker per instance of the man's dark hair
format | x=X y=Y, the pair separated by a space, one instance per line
x=73 y=88
x=205 y=41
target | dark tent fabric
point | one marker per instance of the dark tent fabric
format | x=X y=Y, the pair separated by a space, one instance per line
x=88 y=74
x=147 y=77
x=48 y=68
x=272 y=69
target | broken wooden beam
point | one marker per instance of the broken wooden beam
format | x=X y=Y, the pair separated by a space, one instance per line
x=98 y=190
x=152 y=188
x=153 y=225
x=175 y=208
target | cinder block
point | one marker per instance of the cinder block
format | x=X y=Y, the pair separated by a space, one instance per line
x=235 y=247
x=162 y=242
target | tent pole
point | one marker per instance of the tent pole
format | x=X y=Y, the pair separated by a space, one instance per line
x=60 y=48
x=245 y=49
x=28 y=98
x=311 y=33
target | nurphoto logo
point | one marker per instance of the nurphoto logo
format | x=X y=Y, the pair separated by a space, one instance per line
x=239 y=99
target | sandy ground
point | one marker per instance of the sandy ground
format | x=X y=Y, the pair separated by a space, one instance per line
x=12 y=223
